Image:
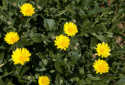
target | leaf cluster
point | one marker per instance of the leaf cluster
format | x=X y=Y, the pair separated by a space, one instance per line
x=97 y=21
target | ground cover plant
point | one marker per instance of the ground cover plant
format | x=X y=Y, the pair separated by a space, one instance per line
x=62 y=42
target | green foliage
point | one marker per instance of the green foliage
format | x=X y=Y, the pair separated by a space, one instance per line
x=97 y=21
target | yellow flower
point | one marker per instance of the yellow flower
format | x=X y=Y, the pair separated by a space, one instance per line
x=27 y=9
x=62 y=42
x=11 y=37
x=70 y=29
x=101 y=66
x=103 y=50
x=43 y=80
x=20 y=56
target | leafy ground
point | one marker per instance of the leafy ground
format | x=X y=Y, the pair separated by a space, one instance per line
x=97 y=21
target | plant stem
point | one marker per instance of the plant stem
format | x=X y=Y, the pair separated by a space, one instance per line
x=6 y=74
x=5 y=62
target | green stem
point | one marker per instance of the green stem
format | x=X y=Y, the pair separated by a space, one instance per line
x=5 y=62
x=6 y=74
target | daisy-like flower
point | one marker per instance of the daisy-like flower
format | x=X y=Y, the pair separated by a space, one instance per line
x=103 y=50
x=43 y=80
x=70 y=29
x=11 y=37
x=62 y=42
x=101 y=66
x=27 y=9
x=20 y=56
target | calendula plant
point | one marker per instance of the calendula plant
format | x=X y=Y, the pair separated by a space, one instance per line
x=62 y=42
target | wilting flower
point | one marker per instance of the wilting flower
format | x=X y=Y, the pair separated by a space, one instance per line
x=62 y=42
x=101 y=66
x=43 y=80
x=20 y=56
x=70 y=29
x=103 y=50
x=27 y=9
x=11 y=37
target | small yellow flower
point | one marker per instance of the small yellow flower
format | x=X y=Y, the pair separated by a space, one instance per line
x=101 y=66
x=43 y=80
x=103 y=50
x=27 y=9
x=62 y=42
x=20 y=56
x=70 y=29
x=11 y=37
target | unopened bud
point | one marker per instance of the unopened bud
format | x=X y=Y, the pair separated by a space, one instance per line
x=53 y=37
x=77 y=44
x=75 y=48
x=74 y=21
x=28 y=77
x=14 y=4
x=93 y=56
x=9 y=23
x=39 y=7
x=65 y=59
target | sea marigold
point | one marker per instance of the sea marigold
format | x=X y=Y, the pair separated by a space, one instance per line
x=27 y=9
x=43 y=80
x=62 y=42
x=70 y=29
x=20 y=56
x=11 y=37
x=103 y=50
x=101 y=66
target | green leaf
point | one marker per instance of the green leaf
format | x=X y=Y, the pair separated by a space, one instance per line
x=40 y=55
x=40 y=69
x=57 y=66
x=1 y=57
x=24 y=70
x=37 y=37
x=58 y=80
x=94 y=11
x=50 y=24
x=25 y=41
x=121 y=81
x=2 y=82
x=81 y=70
x=104 y=10
x=94 y=41
x=86 y=28
x=114 y=25
x=100 y=37
x=96 y=28
x=5 y=28
x=74 y=57
x=86 y=3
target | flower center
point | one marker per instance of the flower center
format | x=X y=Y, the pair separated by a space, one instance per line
x=100 y=67
x=28 y=11
x=44 y=81
x=70 y=29
x=12 y=39
x=62 y=43
x=21 y=58
x=102 y=50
